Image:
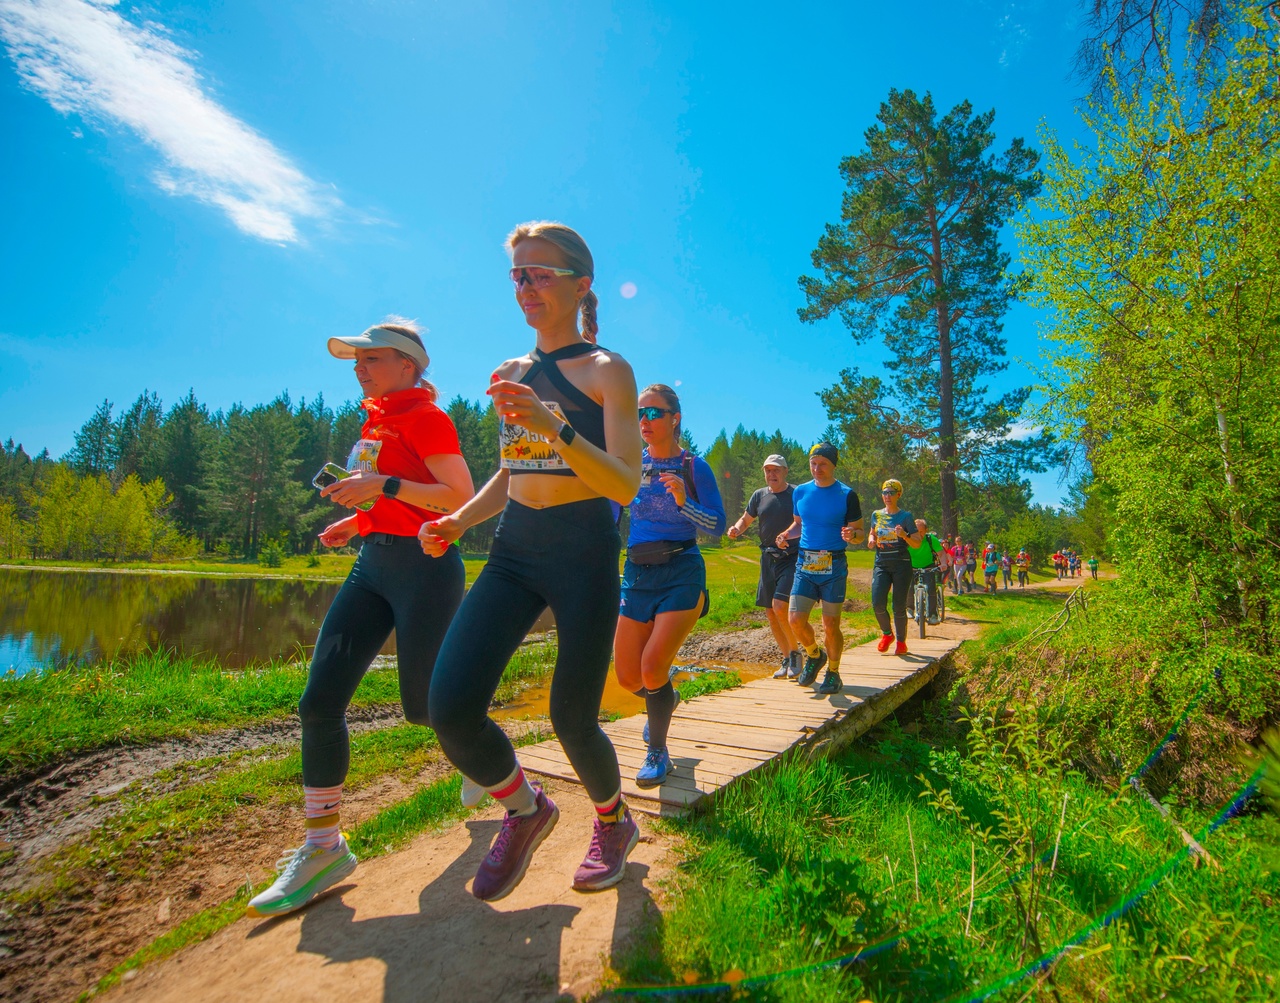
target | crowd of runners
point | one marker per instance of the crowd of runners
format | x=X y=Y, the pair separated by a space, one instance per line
x=578 y=443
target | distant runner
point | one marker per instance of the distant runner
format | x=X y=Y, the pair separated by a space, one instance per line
x=1093 y=567
x=664 y=579
x=1023 y=563
x=1006 y=569
x=990 y=568
x=828 y=516
x=892 y=535
x=772 y=505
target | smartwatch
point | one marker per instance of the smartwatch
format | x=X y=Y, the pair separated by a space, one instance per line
x=391 y=487
x=566 y=434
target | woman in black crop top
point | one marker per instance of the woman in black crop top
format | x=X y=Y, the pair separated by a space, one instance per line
x=570 y=444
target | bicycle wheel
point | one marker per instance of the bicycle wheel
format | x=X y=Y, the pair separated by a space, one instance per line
x=921 y=608
x=942 y=605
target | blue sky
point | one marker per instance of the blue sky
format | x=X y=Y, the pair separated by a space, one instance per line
x=199 y=195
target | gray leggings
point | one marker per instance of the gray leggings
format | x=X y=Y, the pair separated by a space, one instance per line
x=392 y=585
x=895 y=577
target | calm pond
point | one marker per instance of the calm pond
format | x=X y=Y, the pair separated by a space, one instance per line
x=56 y=617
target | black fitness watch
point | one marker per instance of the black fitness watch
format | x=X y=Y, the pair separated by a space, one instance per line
x=391 y=487
x=566 y=434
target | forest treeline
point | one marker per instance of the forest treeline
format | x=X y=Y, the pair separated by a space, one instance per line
x=154 y=483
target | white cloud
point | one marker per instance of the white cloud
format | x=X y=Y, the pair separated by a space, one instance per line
x=84 y=58
x=1023 y=430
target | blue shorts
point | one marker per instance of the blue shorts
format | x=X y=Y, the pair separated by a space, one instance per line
x=650 y=589
x=824 y=586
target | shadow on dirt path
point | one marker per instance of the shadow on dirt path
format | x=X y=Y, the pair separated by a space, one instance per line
x=407 y=929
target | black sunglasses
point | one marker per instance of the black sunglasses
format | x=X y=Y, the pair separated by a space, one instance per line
x=654 y=413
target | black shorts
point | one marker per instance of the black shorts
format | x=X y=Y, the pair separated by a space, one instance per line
x=777 y=572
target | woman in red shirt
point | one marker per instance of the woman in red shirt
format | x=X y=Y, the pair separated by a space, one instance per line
x=405 y=470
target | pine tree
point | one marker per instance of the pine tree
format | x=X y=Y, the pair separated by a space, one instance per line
x=916 y=257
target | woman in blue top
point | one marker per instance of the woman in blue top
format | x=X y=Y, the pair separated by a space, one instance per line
x=664 y=579
x=892 y=532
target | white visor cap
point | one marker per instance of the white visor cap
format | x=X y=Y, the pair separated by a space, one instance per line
x=379 y=337
x=775 y=460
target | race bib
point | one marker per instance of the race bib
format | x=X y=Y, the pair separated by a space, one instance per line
x=520 y=449
x=815 y=562
x=364 y=456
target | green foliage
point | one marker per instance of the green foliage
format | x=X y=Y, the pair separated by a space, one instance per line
x=272 y=554
x=916 y=257
x=80 y=517
x=708 y=682
x=1156 y=248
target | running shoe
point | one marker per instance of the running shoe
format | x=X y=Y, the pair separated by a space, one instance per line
x=303 y=874
x=657 y=764
x=884 y=642
x=472 y=792
x=511 y=852
x=831 y=683
x=606 y=861
x=933 y=620
x=811 y=666
x=901 y=649
x=645 y=734
x=785 y=670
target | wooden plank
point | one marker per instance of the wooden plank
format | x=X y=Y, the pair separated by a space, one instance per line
x=720 y=714
x=719 y=755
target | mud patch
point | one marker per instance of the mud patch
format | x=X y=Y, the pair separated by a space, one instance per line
x=46 y=811
x=754 y=644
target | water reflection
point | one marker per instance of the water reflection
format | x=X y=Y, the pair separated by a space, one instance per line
x=53 y=618
x=57 y=618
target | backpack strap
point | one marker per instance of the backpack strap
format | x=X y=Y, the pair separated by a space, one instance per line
x=690 y=487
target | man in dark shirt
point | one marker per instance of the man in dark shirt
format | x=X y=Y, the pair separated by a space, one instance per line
x=771 y=504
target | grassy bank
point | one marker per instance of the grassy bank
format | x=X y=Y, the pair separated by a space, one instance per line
x=53 y=715
x=945 y=860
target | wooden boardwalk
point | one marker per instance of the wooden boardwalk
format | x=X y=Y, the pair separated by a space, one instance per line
x=717 y=738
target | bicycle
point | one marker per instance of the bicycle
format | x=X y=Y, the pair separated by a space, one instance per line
x=921 y=593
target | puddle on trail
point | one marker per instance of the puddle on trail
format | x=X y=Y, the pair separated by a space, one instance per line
x=535 y=701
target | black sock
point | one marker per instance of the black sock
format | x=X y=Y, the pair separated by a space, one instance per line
x=660 y=703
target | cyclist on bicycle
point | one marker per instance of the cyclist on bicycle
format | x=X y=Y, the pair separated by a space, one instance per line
x=928 y=559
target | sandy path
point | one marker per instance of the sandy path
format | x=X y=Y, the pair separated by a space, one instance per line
x=406 y=928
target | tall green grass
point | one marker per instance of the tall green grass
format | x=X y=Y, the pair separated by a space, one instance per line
x=810 y=863
x=997 y=789
x=54 y=714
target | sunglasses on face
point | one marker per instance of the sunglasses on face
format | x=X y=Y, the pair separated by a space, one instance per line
x=538 y=276
x=653 y=413
x=888 y=491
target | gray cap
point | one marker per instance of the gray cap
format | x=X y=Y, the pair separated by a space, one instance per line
x=776 y=460
x=379 y=337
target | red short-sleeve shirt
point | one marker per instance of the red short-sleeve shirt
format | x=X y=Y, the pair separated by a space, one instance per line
x=401 y=431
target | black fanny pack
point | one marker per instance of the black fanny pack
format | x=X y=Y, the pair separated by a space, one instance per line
x=657 y=552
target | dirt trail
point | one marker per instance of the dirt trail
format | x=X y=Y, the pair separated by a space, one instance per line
x=405 y=928
x=59 y=947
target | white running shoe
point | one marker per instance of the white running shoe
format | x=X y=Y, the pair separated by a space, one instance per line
x=472 y=792
x=303 y=874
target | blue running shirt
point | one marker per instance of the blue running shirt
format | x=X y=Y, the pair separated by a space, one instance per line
x=654 y=513
x=823 y=513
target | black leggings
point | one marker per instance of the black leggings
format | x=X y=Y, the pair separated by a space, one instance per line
x=898 y=577
x=565 y=557
x=393 y=584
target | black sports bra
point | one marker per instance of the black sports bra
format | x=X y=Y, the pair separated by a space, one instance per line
x=523 y=452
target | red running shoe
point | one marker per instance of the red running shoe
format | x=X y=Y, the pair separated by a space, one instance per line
x=901 y=649
x=511 y=852
x=884 y=642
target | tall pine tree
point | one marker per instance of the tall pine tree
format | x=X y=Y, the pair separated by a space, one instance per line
x=916 y=257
